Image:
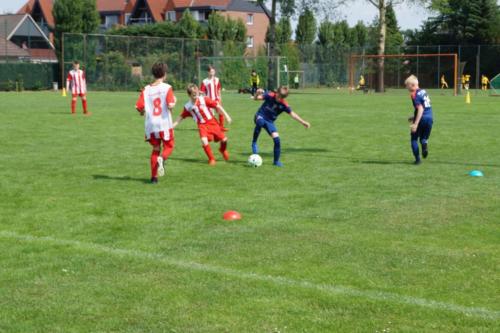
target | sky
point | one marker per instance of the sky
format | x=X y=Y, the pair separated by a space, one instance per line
x=409 y=17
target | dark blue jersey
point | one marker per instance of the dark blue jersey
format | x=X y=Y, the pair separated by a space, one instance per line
x=272 y=107
x=421 y=98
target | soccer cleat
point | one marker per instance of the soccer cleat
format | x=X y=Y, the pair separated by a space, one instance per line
x=88 y=114
x=278 y=164
x=425 y=151
x=212 y=162
x=154 y=180
x=255 y=148
x=161 y=168
x=417 y=162
x=225 y=154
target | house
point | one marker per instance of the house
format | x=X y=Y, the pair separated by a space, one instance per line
x=126 y=12
x=23 y=39
x=254 y=16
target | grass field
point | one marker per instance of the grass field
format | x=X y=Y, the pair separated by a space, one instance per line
x=348 y=237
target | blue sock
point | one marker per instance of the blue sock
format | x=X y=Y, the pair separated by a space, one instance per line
x=414 y=148
x=277 y=149
x=256 y=133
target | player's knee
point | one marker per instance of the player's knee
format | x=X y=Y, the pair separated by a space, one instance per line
x=156 y=148
x=275 y=135
x=204 y=141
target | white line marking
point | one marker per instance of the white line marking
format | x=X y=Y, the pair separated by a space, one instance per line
x=278 y=280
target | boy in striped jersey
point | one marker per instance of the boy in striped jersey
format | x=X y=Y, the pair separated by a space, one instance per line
x=212 y=88
x=77 y=82
x=198 y=108
x=156 y=103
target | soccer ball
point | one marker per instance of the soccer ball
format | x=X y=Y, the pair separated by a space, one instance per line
x=255 y=161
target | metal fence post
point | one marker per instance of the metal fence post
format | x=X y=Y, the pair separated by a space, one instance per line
x=439 y=66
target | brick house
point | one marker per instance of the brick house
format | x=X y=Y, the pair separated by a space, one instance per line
x=125 y=12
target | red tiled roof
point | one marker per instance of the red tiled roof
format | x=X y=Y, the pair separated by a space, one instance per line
x=111 y=5
x=157 y=8
x=45 y=5
x=9 y=49
x=45 y=54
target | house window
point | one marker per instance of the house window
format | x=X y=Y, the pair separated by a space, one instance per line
x=127 y=18
x=249 y=19
x=171 y=16
x=196 y=15
x=110 y=21
x=249 y=41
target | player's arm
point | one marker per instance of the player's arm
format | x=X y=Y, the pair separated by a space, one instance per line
x=221 y=110
x=139 y=105
x=68 y=81
x=203 y=89
x=299 y=119
x=418 y=117
x=181 y=117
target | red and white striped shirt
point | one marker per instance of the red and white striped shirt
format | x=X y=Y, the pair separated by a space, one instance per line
x=212 y=88
x=156 y=102
x=199 y=110
x=76 y=78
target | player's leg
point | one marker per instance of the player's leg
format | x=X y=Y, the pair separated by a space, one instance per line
x=277 y=149
x=168 y=146
x=414 y=147
x=155 y=159
x=84 y=103
x=223 y=149
x=208 y=151
x=259 y=123
x=425 y=133
x=73 y=103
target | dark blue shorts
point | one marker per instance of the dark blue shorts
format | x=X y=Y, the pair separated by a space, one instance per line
x=423 y=131
x=265 y=124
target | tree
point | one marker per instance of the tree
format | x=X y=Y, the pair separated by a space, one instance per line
x=216 y=26
x=287 y=9
x=77 y=16
x=187 y=26
x=284 y=31
x=360 y=32
x=306 y=28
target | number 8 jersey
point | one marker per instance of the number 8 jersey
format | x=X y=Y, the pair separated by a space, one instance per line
x=155 y=101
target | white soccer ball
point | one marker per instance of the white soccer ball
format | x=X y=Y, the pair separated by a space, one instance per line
x=255 y=161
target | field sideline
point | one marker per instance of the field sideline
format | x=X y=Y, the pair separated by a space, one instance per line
x=348 y=237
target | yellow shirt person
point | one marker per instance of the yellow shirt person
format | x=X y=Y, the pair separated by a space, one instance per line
x=484 y=82
x=444 y=84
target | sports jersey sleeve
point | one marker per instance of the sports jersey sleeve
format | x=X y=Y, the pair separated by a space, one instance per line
x=268 y=96
x=171 y=100
x=419 y=99
x=203 y=88
x=139 y=105
x=69 y=78
x=210 y=102
x=185 y=114
x=287 y=108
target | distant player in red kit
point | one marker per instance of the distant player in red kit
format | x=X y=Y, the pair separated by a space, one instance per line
x=211 y=87
x=198 y=108
x=156 y=103
x=77 y=82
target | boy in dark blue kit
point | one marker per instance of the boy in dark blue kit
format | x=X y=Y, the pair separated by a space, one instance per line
x=274 y=104
x=421 y=122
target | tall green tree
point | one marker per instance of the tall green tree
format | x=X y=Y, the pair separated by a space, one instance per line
x=360 y=32
x=187 y=26
x=306 y=28
x=216 y=26
x=77 y=16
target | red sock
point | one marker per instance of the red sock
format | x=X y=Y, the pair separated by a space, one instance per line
x=223 y=145
x=73 y=106
x=209 y=153
x=84 y=104
x=168 y=147
x=221 y=120
x=154 y=163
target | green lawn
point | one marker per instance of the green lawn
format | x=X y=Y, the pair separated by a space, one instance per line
x=348 y=237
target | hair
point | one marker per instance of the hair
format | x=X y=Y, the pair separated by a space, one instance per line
x=253 y=71
x=411 y=79
x=76 y=62
x=210 y=67
x=283 y=91
x=159 y=70
x=190 y=88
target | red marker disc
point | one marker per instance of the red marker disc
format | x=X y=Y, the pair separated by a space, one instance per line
x=231 y=215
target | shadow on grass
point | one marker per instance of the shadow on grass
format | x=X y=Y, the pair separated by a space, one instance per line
x=123 y=178
x=311 y=151
x=202 y=161
x=430 y=161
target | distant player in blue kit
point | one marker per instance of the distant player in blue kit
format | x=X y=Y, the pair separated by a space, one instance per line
x=274 y=104
x=421 y=122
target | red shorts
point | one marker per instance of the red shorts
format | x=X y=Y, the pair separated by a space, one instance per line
x=212 y=131
x=156 y=141
x=76 y=95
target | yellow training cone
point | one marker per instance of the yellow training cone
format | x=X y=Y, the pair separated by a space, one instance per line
x=467 y=98
x=64 y=92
